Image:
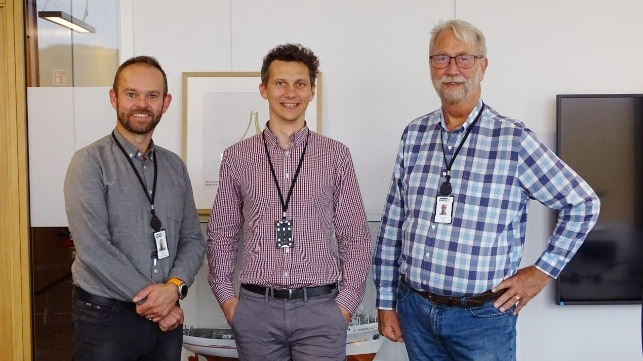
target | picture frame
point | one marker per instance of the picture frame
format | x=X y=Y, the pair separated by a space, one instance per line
x=224 y=108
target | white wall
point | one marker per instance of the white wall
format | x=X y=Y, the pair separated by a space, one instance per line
x=374 y=59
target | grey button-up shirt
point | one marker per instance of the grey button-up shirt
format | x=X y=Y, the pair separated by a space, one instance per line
x=109 y=218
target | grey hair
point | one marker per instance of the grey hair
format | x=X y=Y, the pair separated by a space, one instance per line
x=464 y=31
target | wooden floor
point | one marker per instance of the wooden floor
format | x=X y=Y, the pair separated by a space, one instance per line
x=365 y=357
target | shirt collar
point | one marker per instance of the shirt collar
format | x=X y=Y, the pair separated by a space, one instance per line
x=298 y=138
x=131 y=150
x=472 y=116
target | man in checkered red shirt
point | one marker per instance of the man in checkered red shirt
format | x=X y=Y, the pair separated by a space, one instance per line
x=288 y=190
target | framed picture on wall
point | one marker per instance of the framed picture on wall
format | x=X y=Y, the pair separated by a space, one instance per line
x=220 y=109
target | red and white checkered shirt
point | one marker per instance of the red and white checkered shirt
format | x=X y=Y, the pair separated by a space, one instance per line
x=325 y=200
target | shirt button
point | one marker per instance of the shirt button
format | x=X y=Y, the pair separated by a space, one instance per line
x=150 y=192
x=156 y=271
x=427 y=254
x=287 y=175
x=433 y=226
x=450 y=147
x=286 y=274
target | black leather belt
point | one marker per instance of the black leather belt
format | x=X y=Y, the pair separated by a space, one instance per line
x=84 y=296
x=470 y=301
x=289 y=294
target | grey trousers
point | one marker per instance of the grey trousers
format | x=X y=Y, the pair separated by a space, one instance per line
x=268 y=329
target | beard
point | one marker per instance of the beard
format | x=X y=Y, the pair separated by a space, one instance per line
x=124 y=119
x=457 y=94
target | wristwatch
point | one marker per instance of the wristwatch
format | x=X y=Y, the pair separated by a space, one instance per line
x=182 y=288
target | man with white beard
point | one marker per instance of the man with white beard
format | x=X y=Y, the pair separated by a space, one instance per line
x=453 y=228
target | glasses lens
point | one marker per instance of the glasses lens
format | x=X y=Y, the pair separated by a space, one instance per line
x=440 y=61
x=465 y=61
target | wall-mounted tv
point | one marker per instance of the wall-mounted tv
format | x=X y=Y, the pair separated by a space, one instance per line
x=601 y=137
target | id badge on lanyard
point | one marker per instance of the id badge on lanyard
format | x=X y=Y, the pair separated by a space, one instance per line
x=283 y=233
x=161 y=244
x=444 y=210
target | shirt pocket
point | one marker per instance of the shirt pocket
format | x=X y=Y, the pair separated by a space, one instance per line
x=169 y=204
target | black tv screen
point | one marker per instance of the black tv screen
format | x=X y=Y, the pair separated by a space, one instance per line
x=601 y=138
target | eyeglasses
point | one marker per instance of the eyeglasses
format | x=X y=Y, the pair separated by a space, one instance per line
x=464 y=61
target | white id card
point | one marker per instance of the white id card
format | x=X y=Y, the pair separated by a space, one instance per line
x=161 y=244
x=444 y=209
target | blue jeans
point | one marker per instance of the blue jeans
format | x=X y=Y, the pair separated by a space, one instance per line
x=440 y=333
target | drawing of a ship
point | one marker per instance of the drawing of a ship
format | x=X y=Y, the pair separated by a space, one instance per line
x=362 y=337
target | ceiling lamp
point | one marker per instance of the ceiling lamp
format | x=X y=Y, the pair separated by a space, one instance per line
x=66 y=20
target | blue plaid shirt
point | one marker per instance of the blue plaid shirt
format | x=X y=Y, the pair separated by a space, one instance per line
x=501 y=166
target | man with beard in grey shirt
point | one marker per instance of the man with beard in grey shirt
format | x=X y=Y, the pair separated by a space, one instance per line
x=136 y=231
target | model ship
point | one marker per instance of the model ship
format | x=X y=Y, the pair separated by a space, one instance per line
x=362 y=337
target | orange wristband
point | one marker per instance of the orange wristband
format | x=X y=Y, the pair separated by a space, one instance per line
x=175 y=281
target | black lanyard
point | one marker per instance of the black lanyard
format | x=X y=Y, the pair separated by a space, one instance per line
x=155 y=222
x=445 y=188
x=284 y=205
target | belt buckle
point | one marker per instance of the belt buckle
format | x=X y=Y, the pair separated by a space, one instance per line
x=290 y=293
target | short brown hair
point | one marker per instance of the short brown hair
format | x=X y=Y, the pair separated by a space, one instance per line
x=141 y=59
x=291 y=52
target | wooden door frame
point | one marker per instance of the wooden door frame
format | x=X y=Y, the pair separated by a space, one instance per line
x=15 y=272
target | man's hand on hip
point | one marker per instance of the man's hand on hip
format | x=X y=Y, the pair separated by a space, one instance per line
x=520 y=288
